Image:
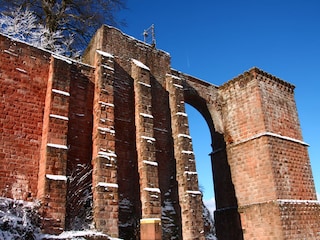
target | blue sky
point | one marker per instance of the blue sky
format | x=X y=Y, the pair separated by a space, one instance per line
x=216 y=40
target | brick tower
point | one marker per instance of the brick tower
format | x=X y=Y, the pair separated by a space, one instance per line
x=269 y=162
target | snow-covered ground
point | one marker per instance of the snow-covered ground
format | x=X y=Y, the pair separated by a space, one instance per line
x=20 y=220
x=79 y=235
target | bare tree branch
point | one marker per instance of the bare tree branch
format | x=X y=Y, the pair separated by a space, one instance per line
x=77 y=18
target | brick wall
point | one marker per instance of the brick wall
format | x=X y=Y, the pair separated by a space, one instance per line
x=79 y=140
x=242 y=114
x=278 y=106
x=64 y=179
x=23 y=82
x=262 y=124
x=299 y=219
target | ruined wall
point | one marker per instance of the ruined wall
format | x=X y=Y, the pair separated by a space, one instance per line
x=107 y=142
x=64 y=178
x=23 y=82
x=144 y=144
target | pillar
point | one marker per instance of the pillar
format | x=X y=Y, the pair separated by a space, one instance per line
x=104 y=157
x=52 y=183
x=190 y=197
x=268 y=159
x=150 y=224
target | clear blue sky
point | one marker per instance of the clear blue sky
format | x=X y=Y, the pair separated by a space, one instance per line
x=216 y=40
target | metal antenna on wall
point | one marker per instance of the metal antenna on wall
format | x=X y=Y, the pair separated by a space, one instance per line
x=147 y=33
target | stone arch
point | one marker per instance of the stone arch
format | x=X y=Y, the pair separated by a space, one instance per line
x=204 y=98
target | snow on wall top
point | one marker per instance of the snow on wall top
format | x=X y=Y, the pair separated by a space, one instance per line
x=140 y=64
x=54 y=145
x=105 y=54
x=137 y=40
x=56 y=177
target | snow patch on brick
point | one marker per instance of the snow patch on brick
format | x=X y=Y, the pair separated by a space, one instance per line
x=149 y=139
x=53 y=145
x=146 y=115
x=11 y=53
x=193 y=192
x=105 y=54
x=109 y=155
x=106 y=185
x=184 y=135
x=106 y=130
x=152 y=189
x=106 y=104
x=187 y=152
x=272 y=135
x=56 y=177
x=173 y=76
x=140 y=64
x=286 y=138
x=181 y=114
x=67 y=60
x=61 y=92
x=150 y=163
x=178 y=86
x=190 y=173
x=296 y=201
x=21 y=70
x=59 y=117
x=150 y=220
x=145 y=84
x=107 y=67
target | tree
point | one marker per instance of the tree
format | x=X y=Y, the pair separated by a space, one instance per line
x=73 y=19
x=22 y=25
x=15 y=25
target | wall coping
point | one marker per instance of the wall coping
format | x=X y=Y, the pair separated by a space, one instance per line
x=256 y=73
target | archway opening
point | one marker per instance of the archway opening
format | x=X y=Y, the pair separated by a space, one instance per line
x=201 y=141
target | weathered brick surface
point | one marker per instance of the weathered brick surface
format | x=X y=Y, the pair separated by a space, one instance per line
x=79 y=142
x=242 y=113
x=293 y=177
x=282 y=219
x=109 y=142
x=147 y=164
x=125 y=145
x=52 y=180
x=105 y=184
x=21 y=116
x=252 y=174
x=261 y=221
x=188 y=189
x=300 y=220
x=64 y=179
x=278 y=106
x=268 y=159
